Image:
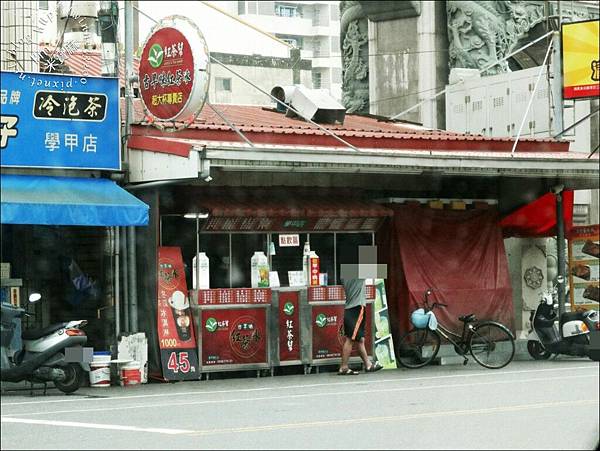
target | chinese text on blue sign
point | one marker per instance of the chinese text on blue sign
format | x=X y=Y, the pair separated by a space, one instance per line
x=59 y=121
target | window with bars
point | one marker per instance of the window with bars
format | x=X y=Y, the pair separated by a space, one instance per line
x=223 y=84
x=316 y=80
x=287 y=11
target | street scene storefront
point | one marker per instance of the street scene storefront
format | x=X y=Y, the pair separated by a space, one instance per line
x=406 y=190
x=61 y=213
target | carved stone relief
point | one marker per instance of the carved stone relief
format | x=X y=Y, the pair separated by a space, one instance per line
x=482 y=32
x=355 y=61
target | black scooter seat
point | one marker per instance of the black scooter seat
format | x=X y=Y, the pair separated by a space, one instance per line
x=571 y=316
x=34 y=334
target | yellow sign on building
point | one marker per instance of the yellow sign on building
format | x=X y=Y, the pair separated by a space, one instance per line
x=581 y=59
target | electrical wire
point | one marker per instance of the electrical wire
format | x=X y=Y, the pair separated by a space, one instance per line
x=60 y=42
x=329 y=132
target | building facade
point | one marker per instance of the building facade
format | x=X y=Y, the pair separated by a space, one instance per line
x=312 y=27
x=411 y=61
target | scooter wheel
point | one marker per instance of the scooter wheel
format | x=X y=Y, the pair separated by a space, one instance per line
x=73 y=378
x=536 y=350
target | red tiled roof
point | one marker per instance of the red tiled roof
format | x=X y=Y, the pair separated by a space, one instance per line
x=263 y=125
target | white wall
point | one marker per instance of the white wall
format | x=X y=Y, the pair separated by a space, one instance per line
x=222 y=33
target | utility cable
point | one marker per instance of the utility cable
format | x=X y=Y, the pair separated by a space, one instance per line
x=255 y=28
x=59 y=44
x=230 y=124
x=593 y=113
x=269 y=95
x=537 y=82
x=489 y=66
x=285 y=105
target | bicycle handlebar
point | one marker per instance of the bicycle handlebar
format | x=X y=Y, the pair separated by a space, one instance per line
x=426 y=301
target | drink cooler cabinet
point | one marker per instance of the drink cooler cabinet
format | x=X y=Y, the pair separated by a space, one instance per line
x=323 y=326
x=263 y=328
x=232 y=329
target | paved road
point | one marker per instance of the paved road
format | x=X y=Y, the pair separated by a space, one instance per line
x=527 y=405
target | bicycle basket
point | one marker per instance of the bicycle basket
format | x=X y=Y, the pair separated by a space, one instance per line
x=419 y=318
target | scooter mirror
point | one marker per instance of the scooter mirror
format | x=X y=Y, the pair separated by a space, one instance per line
x=34 y=297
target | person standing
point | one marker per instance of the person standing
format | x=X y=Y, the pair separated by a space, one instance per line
x=354 y=326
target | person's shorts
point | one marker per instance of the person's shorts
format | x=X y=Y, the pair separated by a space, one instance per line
x=354 y=322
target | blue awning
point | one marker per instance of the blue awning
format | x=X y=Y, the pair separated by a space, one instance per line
x=43 y=200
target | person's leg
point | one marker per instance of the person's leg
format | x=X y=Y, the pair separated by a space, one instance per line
x=362 y=350
x=346 y=351
x=350 y=317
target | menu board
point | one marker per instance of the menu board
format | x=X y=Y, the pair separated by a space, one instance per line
x=176 y=338
x=584 y=270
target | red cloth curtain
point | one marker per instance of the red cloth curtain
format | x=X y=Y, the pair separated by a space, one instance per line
x=538 y=218
x=459 y=254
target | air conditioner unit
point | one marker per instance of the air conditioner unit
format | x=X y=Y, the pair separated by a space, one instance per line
x=317 y=105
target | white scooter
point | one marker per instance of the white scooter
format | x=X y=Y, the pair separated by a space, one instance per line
x=40 y=355
x=569 y=334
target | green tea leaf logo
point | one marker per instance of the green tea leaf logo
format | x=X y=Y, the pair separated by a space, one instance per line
x=155 y=56
x=321 y=320
x=211 y=324
x=288 y=308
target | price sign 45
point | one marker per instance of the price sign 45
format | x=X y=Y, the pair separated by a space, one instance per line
x=180 y=363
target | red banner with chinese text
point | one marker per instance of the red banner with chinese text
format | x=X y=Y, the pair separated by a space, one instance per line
x=234 y=336
x=328 y=331
x=176 y=337
x=289 y=326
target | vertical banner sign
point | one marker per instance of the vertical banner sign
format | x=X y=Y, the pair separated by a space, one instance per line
x=59 y=121
x=289 y=326
x=581 y=59
x=174 y=72
x=234 y=336
x=177 y=342
x=584 y=255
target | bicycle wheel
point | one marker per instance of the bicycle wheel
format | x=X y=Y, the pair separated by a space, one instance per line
x=418 y=347
x=492 y=345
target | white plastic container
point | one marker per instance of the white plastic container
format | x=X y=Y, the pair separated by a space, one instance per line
x=259 y=270
x=204 y=271
x=100 y=370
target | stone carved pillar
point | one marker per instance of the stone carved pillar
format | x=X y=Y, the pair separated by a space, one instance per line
x=355 y=60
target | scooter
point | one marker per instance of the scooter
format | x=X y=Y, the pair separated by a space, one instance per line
x=570 y=335
x=39 y=356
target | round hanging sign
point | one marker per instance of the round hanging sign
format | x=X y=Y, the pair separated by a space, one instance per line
x=174 y=72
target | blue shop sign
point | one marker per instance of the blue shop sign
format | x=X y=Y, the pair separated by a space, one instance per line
x=59 y=121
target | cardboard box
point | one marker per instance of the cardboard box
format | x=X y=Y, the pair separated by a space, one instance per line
x=135 y=347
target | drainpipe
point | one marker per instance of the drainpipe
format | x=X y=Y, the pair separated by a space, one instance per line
x=133 y=311
x=117 y=254
x=560 y=249
x=125 y=268
x=131 y=307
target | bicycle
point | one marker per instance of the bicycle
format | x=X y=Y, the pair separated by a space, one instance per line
x=491 y=344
